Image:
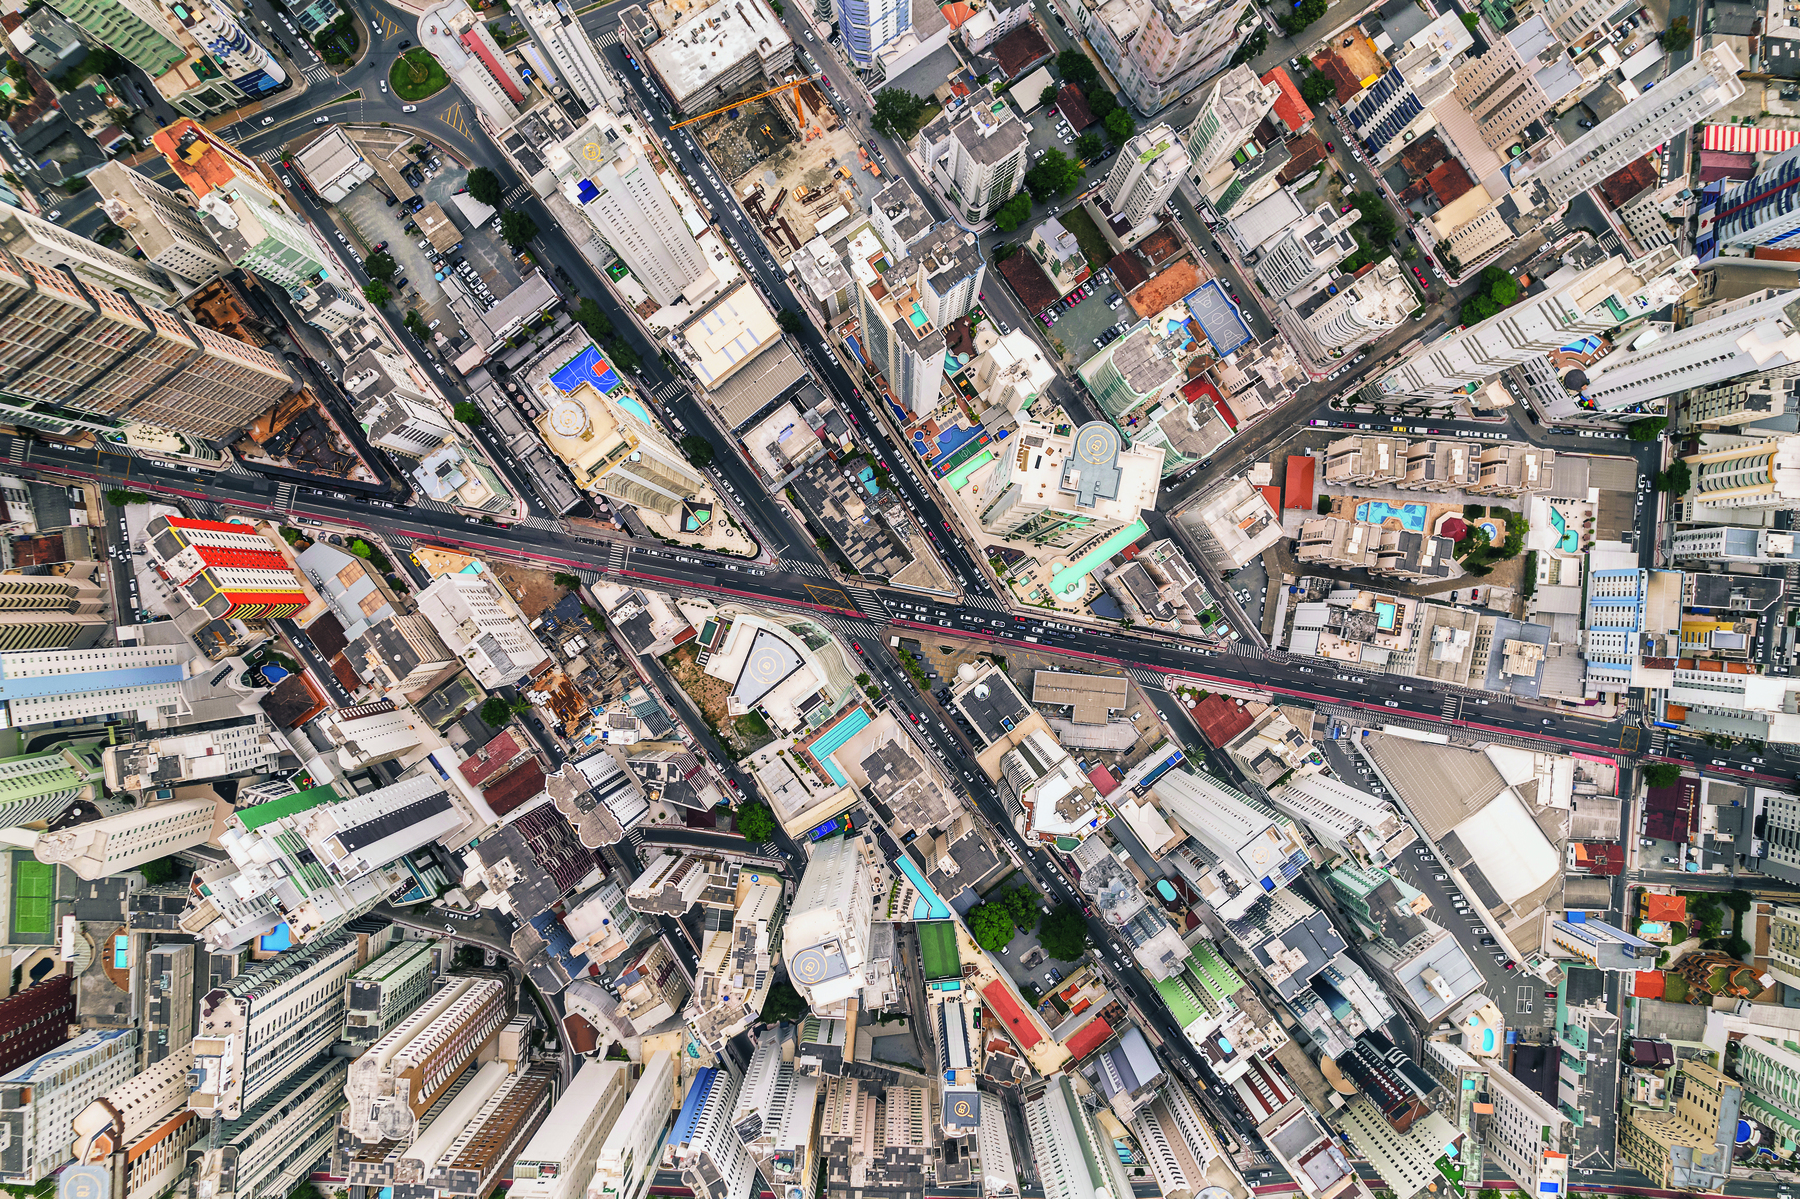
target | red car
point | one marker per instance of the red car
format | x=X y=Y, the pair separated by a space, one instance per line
x=1328 y=147
x=856 y=647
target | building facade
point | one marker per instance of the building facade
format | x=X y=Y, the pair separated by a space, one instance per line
x=115 y=844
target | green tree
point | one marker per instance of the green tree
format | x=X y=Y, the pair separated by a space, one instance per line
x=416 y=323
x=1377 y=224
x=589 y=317
x=517 y=228
x=1054 y=175
x=1100 y=102
x=1088 y=147
x=485 y=187
x=381 y=265
x=1324 y=505
x=1254 y=45
x=1676 y=480
x=1006 y=249
x=790 y=321
x=623 y=356
x=753 y=819
x=1648 y=430
x=1661 y=774
x=992 y=927
x=1317 y=88
x=1120 y=126
x=16 y=68
x=1077 y=68
x=376 y=292
x=1678 y=36
x=1048 y=95
x=466 y=412
x=1013 y=213
x=1471 y=22
x=784 y=1003
x=1063 y=933
x=495 y=711
x=118 y=497
x=897 y=112
x=566 y=581
x=698 y=449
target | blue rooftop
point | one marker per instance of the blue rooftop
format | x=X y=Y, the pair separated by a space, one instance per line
x=690 y=1107
x=81 y=681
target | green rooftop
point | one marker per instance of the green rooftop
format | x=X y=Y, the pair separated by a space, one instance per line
x=1063 y=581
x=1179 y=999
x=937 y=949
x=1214 y=972
x=257 y=815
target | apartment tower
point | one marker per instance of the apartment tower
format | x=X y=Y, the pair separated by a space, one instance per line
x=240 y=208
x=1150 y=168
x=625 y=203
x=559 y=1159
x=160 y=223
x=1759 y=332
x=400 y=1076
x=115 y=844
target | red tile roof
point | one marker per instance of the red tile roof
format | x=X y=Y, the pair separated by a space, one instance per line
x=1622 y=186
x=1308 y=152
x=518 y=786
x=1219 y=719
x=1342 y=77
x=1297 y=484
x=1647 y=984
x=1600 y=857
x=1000 y=1000
x=1074 y=106
x=1021 y=50
x=1088 y=1037
x=1271 y=494
x=1028 y=282
x=487 y=761
x=1449 y=182
x=1103 y=781
x=1289 y=106
x=1666 y=909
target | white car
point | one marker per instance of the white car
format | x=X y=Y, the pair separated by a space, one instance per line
x=384 y=87
x=409 y=108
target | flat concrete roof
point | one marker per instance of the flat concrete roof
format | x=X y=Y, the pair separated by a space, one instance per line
x=1088 y=696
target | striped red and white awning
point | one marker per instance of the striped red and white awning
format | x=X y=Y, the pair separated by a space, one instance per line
x=1749 y=139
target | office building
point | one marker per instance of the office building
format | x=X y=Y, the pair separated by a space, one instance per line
x=939 y=280
x=230 y=571
x=825 y=943
x=1150 y=167
x=32 y=239
x=979 y=154
x=38 y=787
x=1760 y=211
x=387 y=990
x=1062 y=490
x=1527 y=1137
x=159 y=223
x=1159 y=50
x=321 y=859
x=1584 y=299
x=869 y=25
x=627 y=1161
x=1254 y=844
x=1738 y=337
x=576 y=60
x=239 y=207
x=716 y=51
x=1748 y=404
x=480 y=625
x=777 y=1117
x=398 y=422
x=115 y=844
x=559 y=1159
x=400 y=1076
x=270 y=1149
x=1762 y=475
x=167 y=1022
x=1687 y=1146
x=35 y=1020
x=39 y=1100
x=709 y=1152
x=252 y=746
x=1072 y=1159
x=610 y=178
x=400 y=654
x=267 y=1022
x=466 y=1149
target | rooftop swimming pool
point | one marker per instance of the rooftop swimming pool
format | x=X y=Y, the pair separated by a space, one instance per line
x=1569 y=539
x=1412 y=516
x=636 y=409
x=928 y=906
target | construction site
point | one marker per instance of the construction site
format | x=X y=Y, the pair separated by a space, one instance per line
x=791 y=162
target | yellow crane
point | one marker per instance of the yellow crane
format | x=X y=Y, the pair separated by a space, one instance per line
x=793 y=87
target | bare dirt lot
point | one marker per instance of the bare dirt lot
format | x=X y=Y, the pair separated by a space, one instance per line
x=534 y=590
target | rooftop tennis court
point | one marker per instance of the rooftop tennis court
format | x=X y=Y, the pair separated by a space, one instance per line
x=586 y=367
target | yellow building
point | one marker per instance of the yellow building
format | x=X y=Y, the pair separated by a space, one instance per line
x=1689 y=1147
x=613 y=450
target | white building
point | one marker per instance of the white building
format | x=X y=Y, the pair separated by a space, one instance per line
x=708 y=1150
x=719 y=51
x=825 y=941
x=628 y=1159
x=272 y=1147
x=1732 y=543
x=267 y=1022
x=1234 y=106
x=160 y=224
x=115 y=844
x=40 y=1100
x=398 y=1078
x=1751 y=476
x=1527 y=1137
x=254 y=746
x=1341 y=816
x=575 y=58
x=1160 y=49
x=481 y=625
x=1299 y=253
x=1260 y=852
x=387 y=990
x=1738 y=337
x=37 y=240
x=1072 y=1160
x=116 y=1129
x=870 y=25
x=1063 y=490
x=777 y=1117
x=939 y=279
x=1012 y=373
x=557 y=1162
x=999 y=1176
x=48 y=686
x=1371 y=306
x=1151 y=166
x=979 y=155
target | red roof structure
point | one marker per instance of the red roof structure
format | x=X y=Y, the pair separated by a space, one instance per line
x=1600 y=857
x=1647 y=984
x=1669 y=812
x=515 y=787
x=1340 y=74
x=1219 y=719
x=1665 y=909
x=490 y=759
x=1000 y=1000
x=1623 y=185
x=476 y=44
x=1271 y=494
x=1021 y=50
x=1028 y=282
x=1088 y=1037
x=1103 y=781
x=1297 y=483
x=1449 y=181
x=1289 y=106
x=1074 y=107
x=957 y=13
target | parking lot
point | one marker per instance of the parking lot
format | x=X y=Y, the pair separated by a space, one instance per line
x=1077 y=327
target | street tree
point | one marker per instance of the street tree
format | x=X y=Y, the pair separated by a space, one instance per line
x=1317 y=88
x=517 y=228
x=1063 y=933
x=1120 y=126
x=466 y=412
x=1077 y=68
x=897 y=113
x=485 y=187
x=376 y=292
x=753 y=819
x=381 y=265
x=1013 y=213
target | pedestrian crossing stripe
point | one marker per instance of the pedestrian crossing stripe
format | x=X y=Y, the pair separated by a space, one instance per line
x=608 y=38
x=270 y=156
x=984 y=601
x=518 y=195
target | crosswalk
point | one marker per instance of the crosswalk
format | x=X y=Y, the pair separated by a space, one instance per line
x=16 y=451
x=803 y=568
x=284 y=497
x=667 y=390
x=1609 y=241
x=1146 y=678
x=607 y=37
x=1453 y=708
x=398 y=541
x=615 y=557
x=270 y=156
x=517 y=195
x=973 y=599
x=1659 y=743
x=867 y=602
x=316 y=73
x=542 y=522
x=1552 y=228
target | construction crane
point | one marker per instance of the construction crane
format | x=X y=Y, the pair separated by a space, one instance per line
x=793 y=87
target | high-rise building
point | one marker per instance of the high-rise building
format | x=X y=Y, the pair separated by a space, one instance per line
x=1151 y=166
x=614 y=451
x=400 y=1076
x=708 y=1150
x=231 y=50
x=978 y=155
x=480 y=625
x=267 y=1022
x=1523 y=73
x=1527 y=1137
x=167 y=1023
x=1784 y=944
x=1743 y=404
x=1185 y=1155
x=393 y=411
x=1234 y=106
x=322 y=859
x=115 y=844
x=1770 y=1074
x=33 y=239
x=37 y=787
x=627 y=1159
x=1755 y=333
x=825 y=942
x=610 y=178
x=1061 y=490
x=558 y=1162
x=142 y=38
x=96 y=355
x=1732 y=543
x=1688 y=1146
x=1372 y=305
x=1304 y=251
x=467 y=1147
x=389 y=989
x=39 y=1099
x=141 y=1130
x=1252 y=841
x=940 y=279
x=777 y=1117
x=270 y=1149
x=160 y=223
x=577 y=60
x=1706 y=84
x=1589 y=296
x=1161 y=49
x=1759 y=475
x=1761 y=211
x=49 y=612
x=240 y=208
x=45 y=686
x=735 y=967
x=1072 y=1160
x=996 y=1172
x=252 y=746
x=869 y=25
x=230 y=571
x=400 y=654
x=36 y=1020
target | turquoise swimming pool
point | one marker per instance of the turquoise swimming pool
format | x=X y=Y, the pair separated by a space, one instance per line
x=928 y=906
x=636 y=409
x=1412 y=516
x=1569 y=541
